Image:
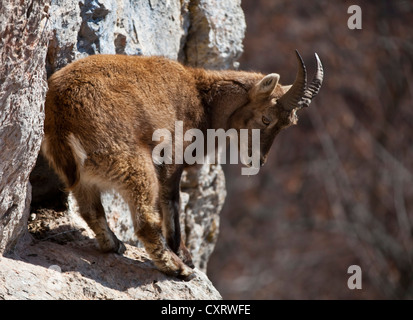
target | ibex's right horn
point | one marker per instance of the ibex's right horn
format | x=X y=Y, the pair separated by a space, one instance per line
x=291 y=99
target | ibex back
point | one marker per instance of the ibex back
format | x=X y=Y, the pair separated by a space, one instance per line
x=101 y=112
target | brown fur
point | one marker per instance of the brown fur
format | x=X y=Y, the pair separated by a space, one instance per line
x=101 y=112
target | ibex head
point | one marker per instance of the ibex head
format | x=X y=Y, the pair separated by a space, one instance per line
x=273 y=107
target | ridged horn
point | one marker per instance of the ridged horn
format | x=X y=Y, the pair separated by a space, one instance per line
x=299 y=95
x=315 y=84
x=290 y=100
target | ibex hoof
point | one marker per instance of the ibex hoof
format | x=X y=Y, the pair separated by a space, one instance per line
x=121 y=248
x=185 y=273
x=173 y=266
x=187 y=277
x=115 y=246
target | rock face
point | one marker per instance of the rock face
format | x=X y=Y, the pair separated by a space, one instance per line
x=204 y=33
x=86 y=27
x=62 y=262
x=215 y=34
x=22 y=91
x=90 y=276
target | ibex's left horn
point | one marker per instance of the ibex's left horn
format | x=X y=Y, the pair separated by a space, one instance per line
x=290 y=100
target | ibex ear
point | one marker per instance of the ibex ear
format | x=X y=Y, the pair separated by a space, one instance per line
x=267 y=84
x=286 y=88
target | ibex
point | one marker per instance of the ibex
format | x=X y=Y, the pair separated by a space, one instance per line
x=101 y=112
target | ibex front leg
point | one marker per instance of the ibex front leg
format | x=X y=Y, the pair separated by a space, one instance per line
x=141 y=188
x=169 y=206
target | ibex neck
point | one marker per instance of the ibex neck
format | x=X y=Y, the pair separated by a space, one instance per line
x=223 y=92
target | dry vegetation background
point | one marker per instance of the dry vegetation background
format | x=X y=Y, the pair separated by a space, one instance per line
x=338 y=188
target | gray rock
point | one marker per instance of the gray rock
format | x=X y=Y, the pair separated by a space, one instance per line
x=64 y=263
x=116 y=26
x=23 y=36
x=64 y=24
x=43 y=272
x=216 y=33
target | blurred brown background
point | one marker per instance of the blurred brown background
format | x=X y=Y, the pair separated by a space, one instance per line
x=337 y=189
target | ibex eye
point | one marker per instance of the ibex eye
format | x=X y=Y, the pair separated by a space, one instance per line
x=265 y=120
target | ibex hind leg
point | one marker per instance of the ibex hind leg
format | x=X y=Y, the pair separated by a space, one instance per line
x=140 y=189
x=91 y=210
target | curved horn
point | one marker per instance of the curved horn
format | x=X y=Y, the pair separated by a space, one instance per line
x=290 y=100
x=315 y=84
